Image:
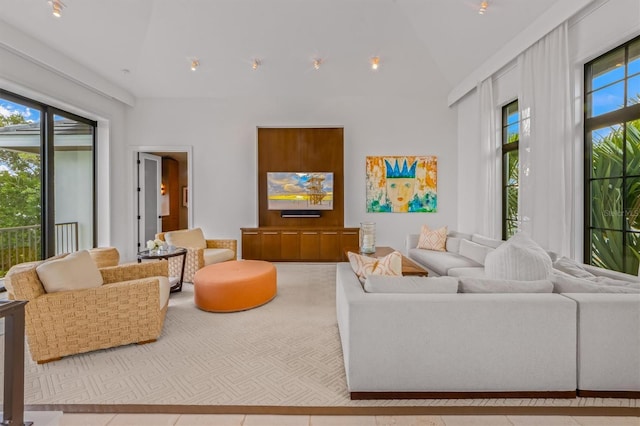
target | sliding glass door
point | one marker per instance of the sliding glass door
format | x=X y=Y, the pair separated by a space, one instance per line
x=20 y=183
x=47 y=182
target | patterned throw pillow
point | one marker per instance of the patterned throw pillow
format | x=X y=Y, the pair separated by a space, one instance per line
x=364 y=266
x=433 y=239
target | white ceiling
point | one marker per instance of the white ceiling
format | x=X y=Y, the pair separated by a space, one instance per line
x=417 y=41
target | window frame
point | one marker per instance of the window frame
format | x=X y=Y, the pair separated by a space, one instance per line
x=620 y=117
x=507 y=148
x=47 y=187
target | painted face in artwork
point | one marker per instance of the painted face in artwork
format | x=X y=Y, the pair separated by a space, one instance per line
x=400 y=184
x=399 y=192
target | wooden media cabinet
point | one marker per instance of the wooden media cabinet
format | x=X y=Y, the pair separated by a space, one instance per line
x=313 y=244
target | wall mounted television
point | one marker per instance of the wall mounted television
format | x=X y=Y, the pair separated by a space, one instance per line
x=300 y=191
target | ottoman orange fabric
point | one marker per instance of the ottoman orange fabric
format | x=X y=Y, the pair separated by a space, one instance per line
x=235 y=285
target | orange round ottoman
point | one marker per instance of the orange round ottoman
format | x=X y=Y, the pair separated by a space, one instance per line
x=236 y=285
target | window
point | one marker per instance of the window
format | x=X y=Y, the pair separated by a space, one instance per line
x=612 y=159
x=47 y=185
x=510 y=163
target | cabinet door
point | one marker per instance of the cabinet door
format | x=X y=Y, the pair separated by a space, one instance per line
x=290 y=245
x=309 y=245
x=349 y=239
x=251 y=245
x=329 y=245
x=271 y=245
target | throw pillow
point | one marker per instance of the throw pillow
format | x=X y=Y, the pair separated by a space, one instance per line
x=191 y=238
x=432 y=239
x=480 y=285
x=410 y=284
x=486 y=241
x=571 y=267
x=563 y=283
x=474 y=251
x=76 y=271
x=453 y=244
x=519 y=258
x=364 y=266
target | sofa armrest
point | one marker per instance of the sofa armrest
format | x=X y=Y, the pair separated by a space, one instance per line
x=133 y=271
x=22 y=282
x=227 y=244
x=410 y=242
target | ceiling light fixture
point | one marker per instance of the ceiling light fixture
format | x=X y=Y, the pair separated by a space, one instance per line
x=483 y=7
x=56 y=7
x=375 y=62
x=256 y=64
x=195 y=64
x=317 y=63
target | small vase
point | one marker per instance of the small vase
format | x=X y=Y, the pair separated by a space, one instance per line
x=367 y=237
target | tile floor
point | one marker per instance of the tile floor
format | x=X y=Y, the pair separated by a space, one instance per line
x=60 y=419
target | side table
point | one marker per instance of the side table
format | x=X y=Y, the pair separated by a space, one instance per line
x=166 y=254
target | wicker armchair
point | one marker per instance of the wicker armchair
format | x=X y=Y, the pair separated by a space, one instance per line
x=216 y=251
x=125 y=309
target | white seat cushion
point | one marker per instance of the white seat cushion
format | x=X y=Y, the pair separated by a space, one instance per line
x=217 y=255
x=410 y=284
x=440 y=261
x=77 y=271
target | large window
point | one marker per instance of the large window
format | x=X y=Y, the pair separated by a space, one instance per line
x=612 y=159
x=510 y=163
x=47 y=203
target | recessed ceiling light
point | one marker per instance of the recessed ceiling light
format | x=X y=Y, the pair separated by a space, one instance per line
x=56 y=7
x=317 y=63
x=256 y=63
x=194 y=64
x=483 y=7
x=375 y=62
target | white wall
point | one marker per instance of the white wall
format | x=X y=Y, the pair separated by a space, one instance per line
x=223 y=136
x=602 y=26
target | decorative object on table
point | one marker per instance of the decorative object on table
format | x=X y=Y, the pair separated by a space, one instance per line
x=367 y=237
x=156 y=245
x=399 y=184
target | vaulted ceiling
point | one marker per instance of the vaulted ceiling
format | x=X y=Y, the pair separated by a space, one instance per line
x=418 y=41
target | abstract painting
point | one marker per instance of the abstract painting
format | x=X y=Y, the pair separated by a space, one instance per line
x=402 y=184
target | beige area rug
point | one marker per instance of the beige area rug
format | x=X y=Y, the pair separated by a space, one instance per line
x=284 y=354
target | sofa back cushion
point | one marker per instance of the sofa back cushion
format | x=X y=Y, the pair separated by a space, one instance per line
x=474 y=251
x=483 y=285
x=571 y=267
x=364 y=266
x=190 y=238
x=410 y=284
x=76 y=271
x=486 y=241
x=519 y=258
x=565 y=283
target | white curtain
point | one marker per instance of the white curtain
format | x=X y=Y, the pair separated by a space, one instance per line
x=545 y=202
x=489 y=214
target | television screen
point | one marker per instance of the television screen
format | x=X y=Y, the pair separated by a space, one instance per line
x=299 y=190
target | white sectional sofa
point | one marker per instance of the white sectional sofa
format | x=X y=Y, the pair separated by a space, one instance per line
x=455 y=345
x=410 y=344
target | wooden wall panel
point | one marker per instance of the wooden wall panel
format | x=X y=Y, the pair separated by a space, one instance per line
x=301 y=150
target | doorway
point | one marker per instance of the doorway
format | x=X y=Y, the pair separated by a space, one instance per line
x=162 y=181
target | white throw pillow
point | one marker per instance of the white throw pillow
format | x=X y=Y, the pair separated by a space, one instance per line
x=76 y=271
x=364 y=266
x=486 y=241
x=410 y=284
x=519 y=258
x=190 y=238
x=453 y=244
x=480 y=285
x=474 y=251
